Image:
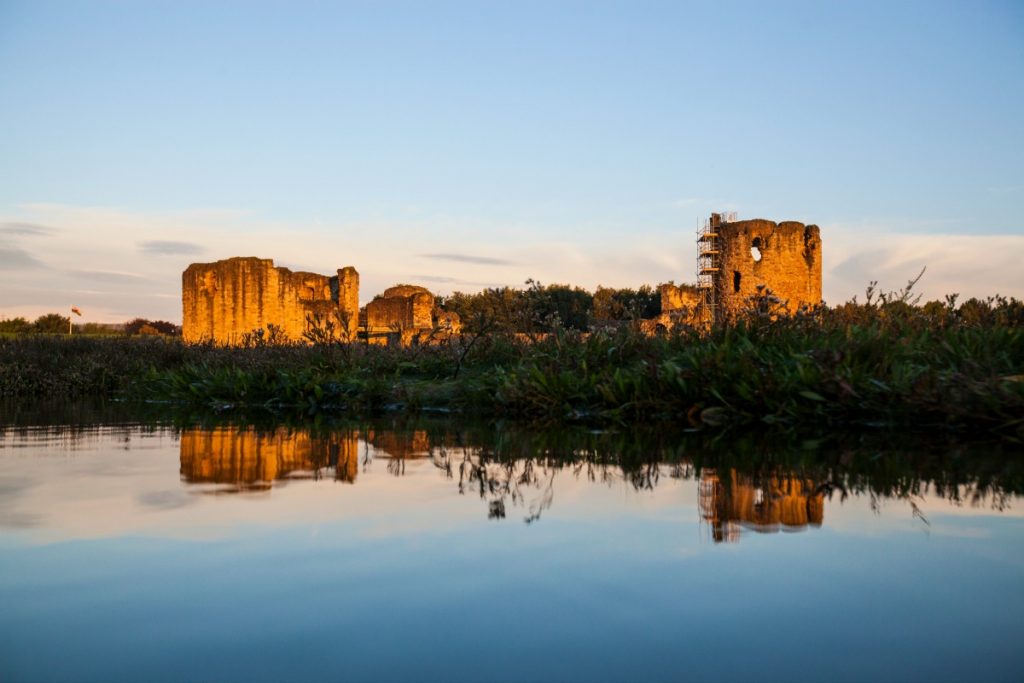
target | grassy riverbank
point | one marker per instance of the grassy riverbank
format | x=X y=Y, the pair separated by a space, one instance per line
x=891 y=364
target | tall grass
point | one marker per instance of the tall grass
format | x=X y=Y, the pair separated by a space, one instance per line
x=882 y=362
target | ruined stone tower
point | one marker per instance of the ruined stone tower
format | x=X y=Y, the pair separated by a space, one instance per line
x=739 y=259
x=224 y=300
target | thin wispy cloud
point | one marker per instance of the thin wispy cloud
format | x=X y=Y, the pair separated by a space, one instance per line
x=469 y=258
x=17 y=258
x=96 y=246
x=108 y=276
x=441 y=279
x=435 y=278
x=971 y=265
x=167 y=247
x=25 y=229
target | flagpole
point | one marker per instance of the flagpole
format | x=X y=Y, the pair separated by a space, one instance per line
x=77 y=311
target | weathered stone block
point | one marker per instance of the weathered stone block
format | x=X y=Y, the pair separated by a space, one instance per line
x=224 y=300
x=756 y=254
x=747 y=259
x=405 y=313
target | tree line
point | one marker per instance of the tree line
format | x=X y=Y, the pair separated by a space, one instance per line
x=55 y=323
x=539 y=308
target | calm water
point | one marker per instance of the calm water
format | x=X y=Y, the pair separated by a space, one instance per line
x=436 y=551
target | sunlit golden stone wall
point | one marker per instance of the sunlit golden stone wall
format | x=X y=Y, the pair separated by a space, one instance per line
x=224 y=300
x=249 y=459
x=403 y=311
x=790 y=264
x=406 y=307
x=678 y=297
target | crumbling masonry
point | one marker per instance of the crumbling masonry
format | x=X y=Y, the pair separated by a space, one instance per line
x=741 y=260
x=225 y=300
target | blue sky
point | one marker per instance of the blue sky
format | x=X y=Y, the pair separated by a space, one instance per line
x=461 y=145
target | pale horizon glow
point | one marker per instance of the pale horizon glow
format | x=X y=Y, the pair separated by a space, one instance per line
x=460 y=146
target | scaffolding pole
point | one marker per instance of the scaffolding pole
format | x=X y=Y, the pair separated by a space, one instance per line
x=709 y=263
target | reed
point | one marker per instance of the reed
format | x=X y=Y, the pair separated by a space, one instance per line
x=875 y=363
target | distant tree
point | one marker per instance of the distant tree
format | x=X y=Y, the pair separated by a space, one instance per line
x=136 y=325
x=497 y=309
x=15 y=326
x=51 y=323
x=537 y=308
x=626 y=304
x=164 y=327
x=96 y=329
x=557 y=305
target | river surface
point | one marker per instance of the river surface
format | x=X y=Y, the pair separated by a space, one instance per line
x=430 y=550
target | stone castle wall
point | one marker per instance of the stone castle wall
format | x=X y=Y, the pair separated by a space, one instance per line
x=751 y=256
x=402 y=313
x=404 y=307
x=224 y=300
x=678 y=297
x=789 y=265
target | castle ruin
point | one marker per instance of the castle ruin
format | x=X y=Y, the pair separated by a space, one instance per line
x=741 y=260
x=738 y=261
x=226 y=301
x=406 y=313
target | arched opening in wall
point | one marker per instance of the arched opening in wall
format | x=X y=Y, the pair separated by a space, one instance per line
x=736 y=281
x=755 y=249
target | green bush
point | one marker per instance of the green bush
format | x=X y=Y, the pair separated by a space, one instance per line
x=883 y=362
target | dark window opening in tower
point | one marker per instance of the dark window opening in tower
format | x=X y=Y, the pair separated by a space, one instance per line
x=736 y=281
x=755 y=249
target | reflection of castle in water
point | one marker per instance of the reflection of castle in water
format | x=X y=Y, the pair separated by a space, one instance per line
x=730 y=501
x=251 y=460
x=399 y=444
x=246 y=459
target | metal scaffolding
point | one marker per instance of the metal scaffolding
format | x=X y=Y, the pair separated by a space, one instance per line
x=709 y=265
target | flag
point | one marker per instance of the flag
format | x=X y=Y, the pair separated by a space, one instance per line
x=76 y=310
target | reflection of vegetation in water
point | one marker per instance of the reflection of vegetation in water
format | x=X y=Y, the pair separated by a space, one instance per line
x=763 y=480
x=497 y=481
x=73 y=425
x=774 y=482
